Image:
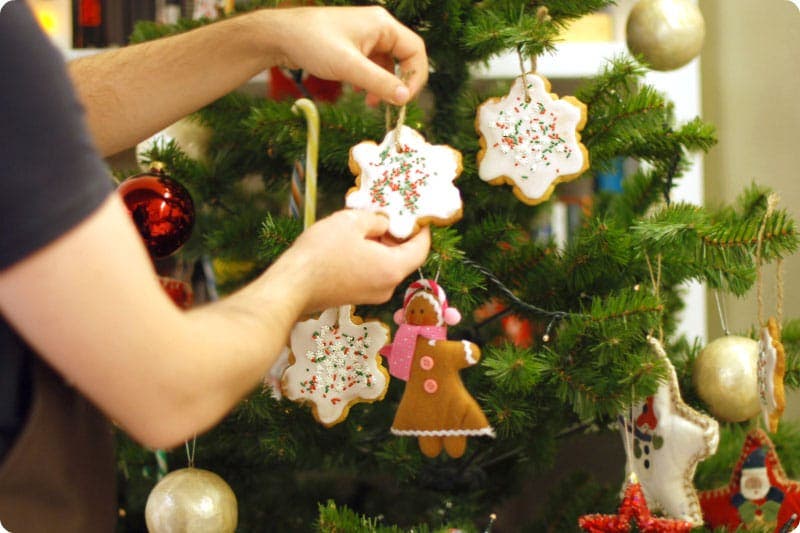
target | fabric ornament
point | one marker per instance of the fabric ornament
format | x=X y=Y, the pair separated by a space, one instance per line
x=436 y=406
x=669 y=439
x=633 y=509
x=758 y=496
x=771 y=370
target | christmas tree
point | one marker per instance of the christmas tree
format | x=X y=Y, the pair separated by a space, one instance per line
x=593 y=306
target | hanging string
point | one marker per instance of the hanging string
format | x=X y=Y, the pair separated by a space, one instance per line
x=779 y=289
x=655 y=279
x=722 y=321
x=190 y=456
x=401 y=115
x=772 y=201
x=523 y=73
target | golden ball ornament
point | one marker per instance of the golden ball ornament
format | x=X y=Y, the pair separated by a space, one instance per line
x=666 y=33
x=191 y=500
x=725 y=376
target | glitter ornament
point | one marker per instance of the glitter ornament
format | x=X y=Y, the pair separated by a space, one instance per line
x=667 y=33
x=633 y=509
x=725 y=376
x=191 y=499
x=161 y=208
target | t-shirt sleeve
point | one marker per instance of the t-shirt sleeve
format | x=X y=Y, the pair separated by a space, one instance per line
x=51 y=175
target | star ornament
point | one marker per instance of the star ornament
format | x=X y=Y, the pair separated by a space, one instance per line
x=530 y=139
x=669 y=439
x=408 y=180
x=759 y=495
x=334 y=363
x=632 y=510
x=771 y=371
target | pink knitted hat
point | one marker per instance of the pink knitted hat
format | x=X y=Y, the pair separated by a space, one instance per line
x=450 y=315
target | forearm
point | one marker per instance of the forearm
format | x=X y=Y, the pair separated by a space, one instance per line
x=132 y=92
x=102 y=320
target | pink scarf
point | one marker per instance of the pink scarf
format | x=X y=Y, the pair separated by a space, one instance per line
x=400 y=353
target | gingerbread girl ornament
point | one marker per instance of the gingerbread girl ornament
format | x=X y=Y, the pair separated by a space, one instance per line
x=436 y=406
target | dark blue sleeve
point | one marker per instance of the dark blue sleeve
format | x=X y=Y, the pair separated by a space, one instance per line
x=51 y=176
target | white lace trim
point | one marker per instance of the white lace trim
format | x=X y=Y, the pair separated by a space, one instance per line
x=482 y=432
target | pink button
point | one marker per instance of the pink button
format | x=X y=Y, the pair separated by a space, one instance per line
x=426 y=362
x=430 y=386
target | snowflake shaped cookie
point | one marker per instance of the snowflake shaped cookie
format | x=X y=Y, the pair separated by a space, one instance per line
x=771 y=370
x=668 y=439
x=335 y=363
x=408 y=180
x=530 y=139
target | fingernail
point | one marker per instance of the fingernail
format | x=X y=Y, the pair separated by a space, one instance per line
x=401 y=94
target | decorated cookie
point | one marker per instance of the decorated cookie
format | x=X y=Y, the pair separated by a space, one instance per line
x=406 y=179
x=334 y=363
x=530 y=139
x=771 y=369
x=668 y=439
x=436 y=406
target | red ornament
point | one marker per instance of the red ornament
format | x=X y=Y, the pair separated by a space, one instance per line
x=179 y=291
x=161 y=208
x=282 y=86
x=633 y=509
x=759 y=493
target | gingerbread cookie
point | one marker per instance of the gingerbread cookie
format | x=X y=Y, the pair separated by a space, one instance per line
x=406 y=179
x=436 y=406
x=334 y=363
x=771 y=370
x=530 y=139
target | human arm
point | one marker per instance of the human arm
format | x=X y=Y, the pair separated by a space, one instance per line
x=90 y=304
x=132 y=92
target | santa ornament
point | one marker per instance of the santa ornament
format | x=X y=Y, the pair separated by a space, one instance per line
x=758 y=496
x=436 y=406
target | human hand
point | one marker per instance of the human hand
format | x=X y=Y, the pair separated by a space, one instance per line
x=353 y=44
x=346 y=259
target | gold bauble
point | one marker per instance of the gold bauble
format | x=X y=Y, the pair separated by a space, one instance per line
x=667 y=33
x=191 y=500
x=725 y=376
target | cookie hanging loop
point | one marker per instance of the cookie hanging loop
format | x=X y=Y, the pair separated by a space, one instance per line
x=308 y=109
x=401 y=115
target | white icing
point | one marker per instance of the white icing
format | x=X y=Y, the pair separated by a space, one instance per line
x=767 y=360
x=533 y=143
x=335 y=363
x=414 y=183
x=468 y=352
x=488 y=431
x=431 y=342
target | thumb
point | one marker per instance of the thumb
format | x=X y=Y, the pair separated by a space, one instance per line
x=371 y=224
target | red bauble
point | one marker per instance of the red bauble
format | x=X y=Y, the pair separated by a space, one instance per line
x=179 y=291
x=161 y=208
x=633 y=509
